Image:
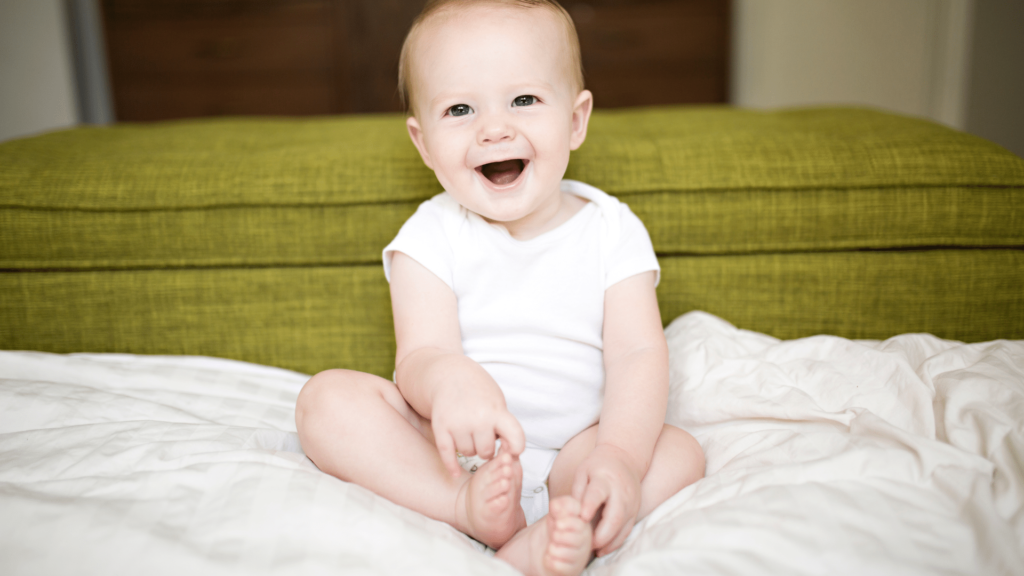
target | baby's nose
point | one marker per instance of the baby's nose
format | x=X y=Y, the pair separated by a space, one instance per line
x=496 y=130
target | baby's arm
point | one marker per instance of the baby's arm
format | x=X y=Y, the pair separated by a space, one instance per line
x=635 y=400
x=466 y=408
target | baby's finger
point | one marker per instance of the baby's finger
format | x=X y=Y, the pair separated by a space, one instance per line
x=446 y=448
x=511 y=434
x=579 y=485
x=613 y=517
x=595 y=495
x=464 y=444
x=619 y=539
x=484 y=444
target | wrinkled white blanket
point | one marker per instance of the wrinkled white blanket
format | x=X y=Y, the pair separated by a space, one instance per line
x=825 y=456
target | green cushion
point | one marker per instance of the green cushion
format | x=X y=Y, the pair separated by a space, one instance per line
x=303 y=318
x=260 y=239
x=970 y=295
x=334 y=191
x=313 y=318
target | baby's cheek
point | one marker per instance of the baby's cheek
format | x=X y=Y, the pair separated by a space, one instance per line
x=449 y=166
x=557 y=157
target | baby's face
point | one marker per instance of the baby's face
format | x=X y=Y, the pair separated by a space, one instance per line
x=496 y=113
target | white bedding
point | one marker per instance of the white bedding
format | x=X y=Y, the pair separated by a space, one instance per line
x=825 y=456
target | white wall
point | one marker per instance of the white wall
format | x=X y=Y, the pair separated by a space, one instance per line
x=996 y=88
x=37 y=90
x=908 y=56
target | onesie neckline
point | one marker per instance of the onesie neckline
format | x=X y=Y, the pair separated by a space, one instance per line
x=557 y=233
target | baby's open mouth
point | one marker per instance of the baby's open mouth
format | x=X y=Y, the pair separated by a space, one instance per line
x=502 y=173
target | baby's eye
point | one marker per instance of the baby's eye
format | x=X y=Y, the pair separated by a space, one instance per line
x=524 y=100
x=459 y=110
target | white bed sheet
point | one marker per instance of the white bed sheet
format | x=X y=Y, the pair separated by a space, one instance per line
x=825 y=456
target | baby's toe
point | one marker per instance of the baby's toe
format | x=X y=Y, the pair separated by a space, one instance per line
x=569 y=538
x=564 y=561
x=496 y=488
x=558 y=566
x=564 y=507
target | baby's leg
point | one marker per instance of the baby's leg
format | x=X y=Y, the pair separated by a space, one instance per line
x=488 y=504
x=359 y=428
x=557 y=545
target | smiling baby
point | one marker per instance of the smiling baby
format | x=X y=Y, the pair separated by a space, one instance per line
x=531 y=376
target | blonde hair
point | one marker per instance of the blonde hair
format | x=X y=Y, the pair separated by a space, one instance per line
x=434 y=7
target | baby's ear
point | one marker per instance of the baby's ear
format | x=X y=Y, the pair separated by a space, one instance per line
x=581 y=110
x=416 y=133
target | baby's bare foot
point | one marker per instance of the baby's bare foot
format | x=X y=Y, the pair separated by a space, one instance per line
x=488 y=505
x=566 y=550
x=557 y=545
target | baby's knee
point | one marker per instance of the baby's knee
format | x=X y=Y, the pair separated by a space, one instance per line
x=685 y=452
x=329 y=392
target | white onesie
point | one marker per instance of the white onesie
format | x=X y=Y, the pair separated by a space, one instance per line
x=531 y=312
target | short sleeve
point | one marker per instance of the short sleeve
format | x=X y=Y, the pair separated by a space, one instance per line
x=423 y=238
x=631 y=252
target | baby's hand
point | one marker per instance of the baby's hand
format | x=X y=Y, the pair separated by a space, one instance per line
x=469 y=420
x=608 y=478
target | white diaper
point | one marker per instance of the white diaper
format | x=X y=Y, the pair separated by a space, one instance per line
x=536 y=464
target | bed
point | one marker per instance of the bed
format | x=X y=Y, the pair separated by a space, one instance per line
x=842 y=294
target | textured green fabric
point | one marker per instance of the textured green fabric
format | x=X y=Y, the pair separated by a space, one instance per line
x=700 y=222
x=658 y=149
x=231 y=236
x=313 y=318
x=353 y=160
x=969 y=295
x=260 y=239
x=335 y=191
x=222 y=162
x=304 y=318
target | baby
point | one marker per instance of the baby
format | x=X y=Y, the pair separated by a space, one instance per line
x=531 y=374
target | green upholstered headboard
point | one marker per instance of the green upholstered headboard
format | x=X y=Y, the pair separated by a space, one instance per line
x=260 y=239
